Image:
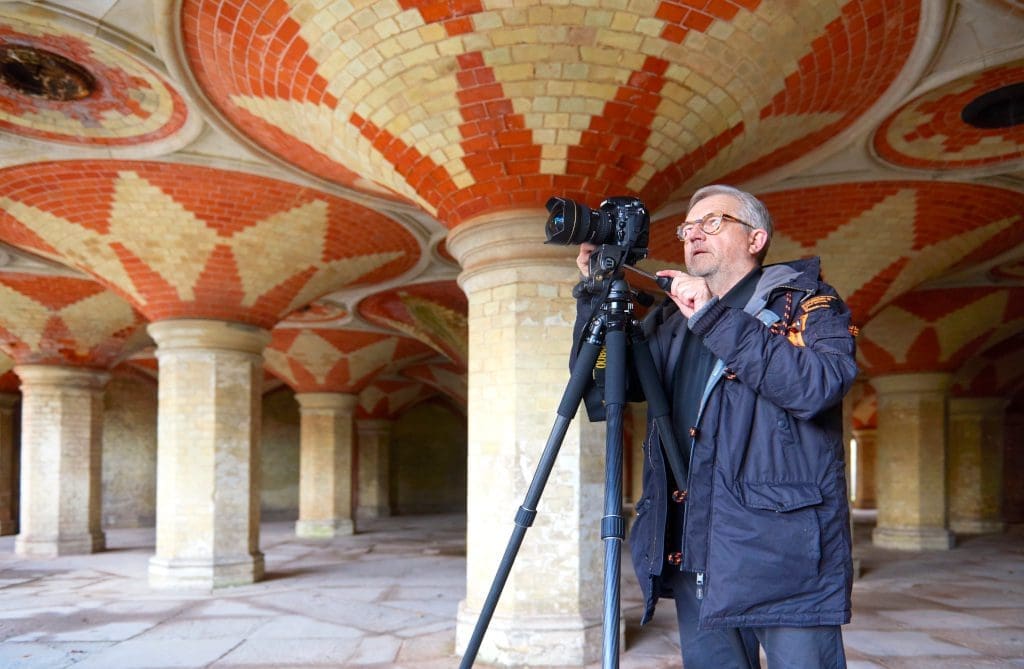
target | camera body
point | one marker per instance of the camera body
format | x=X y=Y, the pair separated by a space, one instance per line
x=620 y=227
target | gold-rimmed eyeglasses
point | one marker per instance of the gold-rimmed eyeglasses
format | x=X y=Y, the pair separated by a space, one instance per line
x=710 y=224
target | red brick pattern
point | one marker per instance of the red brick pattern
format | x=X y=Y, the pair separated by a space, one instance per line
x=997 y=372
x=187 y=242
x=845 y=71
x=63 y=321
x=386 y=398
x=444 y=377
x=337 y=360
x=321 y=89
x=878 y=240
x=131 y=104
x=929 y=132
x=940 y=329
x=9 y=383
x=434 y=313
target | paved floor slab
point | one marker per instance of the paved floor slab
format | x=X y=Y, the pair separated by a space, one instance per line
x=387 y=597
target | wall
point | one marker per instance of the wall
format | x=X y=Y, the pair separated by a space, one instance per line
x=280 y=442
x=129 y=451
x=428 y=460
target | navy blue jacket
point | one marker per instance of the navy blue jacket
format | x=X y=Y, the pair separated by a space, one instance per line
x=766 y=520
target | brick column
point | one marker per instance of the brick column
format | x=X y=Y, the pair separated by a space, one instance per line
x=911 y=469
x=208 y=473
x=61 y=466
x=867 y=455
x=8 y=475
x=374 y=468
x=975 y=472
x=520 y=333
x=325 y=464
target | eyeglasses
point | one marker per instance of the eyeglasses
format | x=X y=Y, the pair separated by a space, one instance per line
x=710 y=224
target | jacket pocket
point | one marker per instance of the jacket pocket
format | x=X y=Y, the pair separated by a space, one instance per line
x=783 y=517
x=765 y=548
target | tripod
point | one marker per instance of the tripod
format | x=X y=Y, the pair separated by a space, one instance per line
x=612 y=323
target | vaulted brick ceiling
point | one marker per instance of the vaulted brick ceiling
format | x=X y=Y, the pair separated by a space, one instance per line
x=295 y=165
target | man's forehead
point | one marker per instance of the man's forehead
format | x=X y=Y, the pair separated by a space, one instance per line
x=721 y=202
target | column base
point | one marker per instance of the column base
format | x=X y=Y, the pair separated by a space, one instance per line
x=542 y=641
x=54 y=547
x=913 y=539
x=181 y=574
x=324 y=529
x=977 y=526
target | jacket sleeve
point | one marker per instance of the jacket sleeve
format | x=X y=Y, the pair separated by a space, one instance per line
x=804 y=373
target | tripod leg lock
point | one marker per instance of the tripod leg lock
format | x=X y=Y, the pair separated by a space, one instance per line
x=613 y=527
x=524 y=516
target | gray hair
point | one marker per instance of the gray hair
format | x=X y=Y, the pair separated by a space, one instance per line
x=751 y=209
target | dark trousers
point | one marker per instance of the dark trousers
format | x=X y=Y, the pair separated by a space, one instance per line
x=737 y=648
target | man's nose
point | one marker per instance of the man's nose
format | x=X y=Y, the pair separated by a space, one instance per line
x=696 y=232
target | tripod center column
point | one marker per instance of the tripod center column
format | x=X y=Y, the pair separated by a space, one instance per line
x=521 y=313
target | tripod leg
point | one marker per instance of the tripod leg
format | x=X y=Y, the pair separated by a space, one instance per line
x=570 y=402
x=659 y=408
x=613 y=526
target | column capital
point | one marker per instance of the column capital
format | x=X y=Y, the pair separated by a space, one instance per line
x=894 y=384
x=201 y=334
x=327 y=401
x=62 y=375
x=507 y=246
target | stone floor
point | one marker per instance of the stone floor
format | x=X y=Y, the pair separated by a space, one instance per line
x=387 y=598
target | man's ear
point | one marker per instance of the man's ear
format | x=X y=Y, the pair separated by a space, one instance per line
x=758 y=240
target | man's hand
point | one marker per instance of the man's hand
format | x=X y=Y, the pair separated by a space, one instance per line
x=690 y=293
x=583 y=259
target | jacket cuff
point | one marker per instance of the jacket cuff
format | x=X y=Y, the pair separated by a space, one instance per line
x=701 y=322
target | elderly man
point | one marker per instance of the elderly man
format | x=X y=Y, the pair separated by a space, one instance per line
x=754 y=543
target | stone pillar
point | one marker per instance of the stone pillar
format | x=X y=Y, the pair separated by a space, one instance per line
x=520 y=332
x=61 y=466
x=1013 y=464
x=325 y=464
x=912 y=462
x=867 y=455
x=8 y=474
x=635 y=485
x=975 y=472
x=374 y=447
x=208 y=455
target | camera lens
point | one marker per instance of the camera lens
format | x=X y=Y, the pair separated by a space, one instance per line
x=573 y=223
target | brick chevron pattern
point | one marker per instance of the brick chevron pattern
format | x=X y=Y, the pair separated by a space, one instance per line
x=386 y=398
x=480 y=105
x=188 y=242
x=63 y=321
x=337 y=360
x=940 y=329
x=9 y=381
x=997 y=372
x=879 y=240
x=131 y=105
x=930 y=133
x=442 y=376
x=434 y=313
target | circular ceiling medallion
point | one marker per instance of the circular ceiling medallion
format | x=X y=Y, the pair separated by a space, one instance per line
x=44 y=74
x=974 y=121
x=1001 y=108
x=65 y=86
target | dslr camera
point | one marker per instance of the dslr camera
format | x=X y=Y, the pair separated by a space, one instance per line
x=619 y=227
